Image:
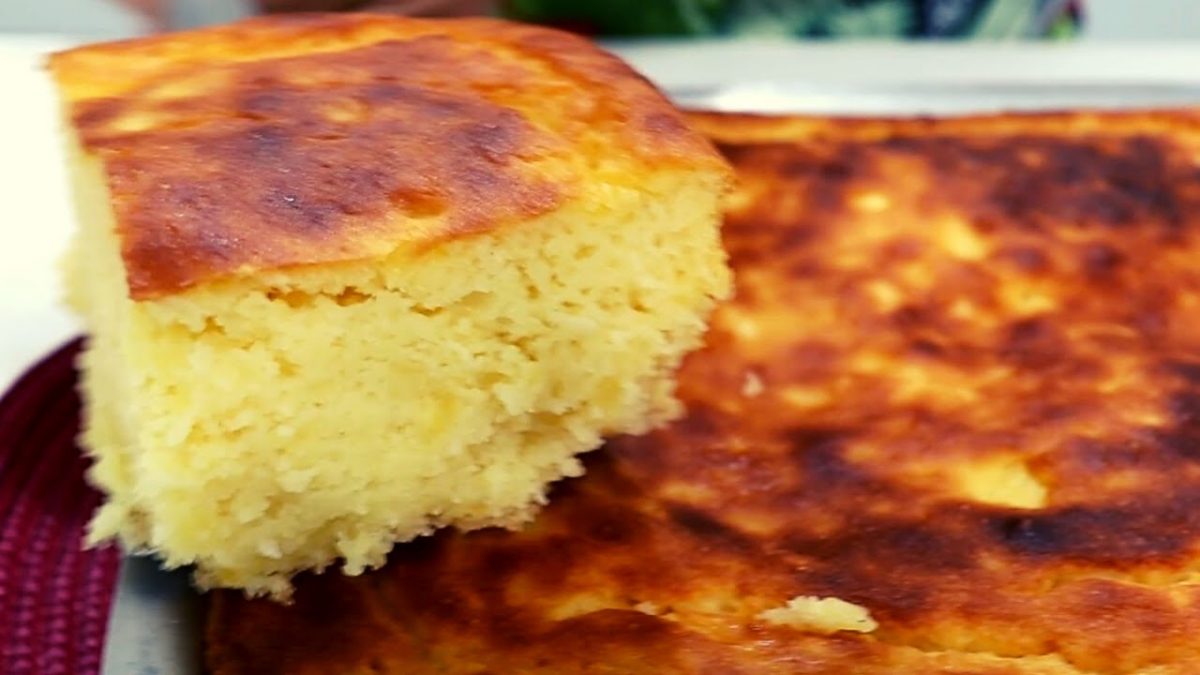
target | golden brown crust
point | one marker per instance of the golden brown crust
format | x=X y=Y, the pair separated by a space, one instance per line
x=759 y=128
x=916 y=300
x=310 y=139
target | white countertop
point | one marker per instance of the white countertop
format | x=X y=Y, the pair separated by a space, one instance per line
x=33 y=186
x=39 y=222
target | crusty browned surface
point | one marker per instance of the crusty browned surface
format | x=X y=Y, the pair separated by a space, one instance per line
x=917 y=299
x=310 y=139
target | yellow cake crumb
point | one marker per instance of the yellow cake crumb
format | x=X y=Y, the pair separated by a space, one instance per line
x=821 y=615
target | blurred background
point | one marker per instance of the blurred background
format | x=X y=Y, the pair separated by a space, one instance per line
x=1122 y=20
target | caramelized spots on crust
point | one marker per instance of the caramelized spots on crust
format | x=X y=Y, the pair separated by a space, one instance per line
x=291 y=141
x=917 y=300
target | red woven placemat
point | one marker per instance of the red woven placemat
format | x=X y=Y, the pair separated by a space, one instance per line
x=54 y=596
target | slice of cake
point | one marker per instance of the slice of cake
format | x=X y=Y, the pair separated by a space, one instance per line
x=351 y=278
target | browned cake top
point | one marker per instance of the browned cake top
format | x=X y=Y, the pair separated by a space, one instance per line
x=959 y=387
x=309 y=139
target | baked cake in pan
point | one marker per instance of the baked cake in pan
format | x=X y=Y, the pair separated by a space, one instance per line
x=950 y=423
